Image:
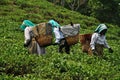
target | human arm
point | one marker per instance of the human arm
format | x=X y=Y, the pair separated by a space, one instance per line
x=93 y=41
x=107 y=46
x=27 y=36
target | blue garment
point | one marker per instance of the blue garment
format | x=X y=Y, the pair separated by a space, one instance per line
x=27 y=23
x=100 y=28
x=54 y=24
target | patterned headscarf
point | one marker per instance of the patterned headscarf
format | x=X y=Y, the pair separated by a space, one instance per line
x=100 y=28
x=27 y=23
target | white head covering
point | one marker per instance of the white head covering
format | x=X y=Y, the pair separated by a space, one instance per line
x=100 y=28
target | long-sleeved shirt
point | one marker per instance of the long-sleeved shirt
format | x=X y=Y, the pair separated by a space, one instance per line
x=98 y=39
x=27 y=33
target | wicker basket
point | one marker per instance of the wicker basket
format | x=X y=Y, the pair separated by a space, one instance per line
x=44 y=40
x=85 y=38
x=43 y=34
x=71 y=40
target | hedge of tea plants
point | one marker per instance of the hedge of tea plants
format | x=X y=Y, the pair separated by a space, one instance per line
x=17 y=64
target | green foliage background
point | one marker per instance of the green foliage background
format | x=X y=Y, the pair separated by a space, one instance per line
x=110 y=10
x=17 y=64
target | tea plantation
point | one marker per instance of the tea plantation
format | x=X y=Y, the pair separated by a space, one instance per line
x=17 y=64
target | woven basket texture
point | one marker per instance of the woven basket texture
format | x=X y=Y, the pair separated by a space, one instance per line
x=43 y=34
x=71 y=40
x=44 y=40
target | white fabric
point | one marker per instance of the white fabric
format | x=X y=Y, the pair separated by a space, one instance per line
x=58 y=35
x=100 y=28
x=69 y=30
x=99 y=39
x=26 y=33
x=40 y=50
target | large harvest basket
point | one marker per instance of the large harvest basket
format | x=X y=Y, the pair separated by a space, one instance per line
x=43 y=34
x=71 y=40
x=85 y=38
x=71 y=33
x=44 y=40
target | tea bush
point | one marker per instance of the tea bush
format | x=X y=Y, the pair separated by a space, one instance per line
x=17 y=64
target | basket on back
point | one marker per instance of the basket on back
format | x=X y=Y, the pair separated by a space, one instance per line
x=43 y=34
x=71 y=33
x=85 y=40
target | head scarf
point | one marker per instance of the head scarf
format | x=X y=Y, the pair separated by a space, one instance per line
x=54 y=23
x=27 y=23
x=100 y=28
